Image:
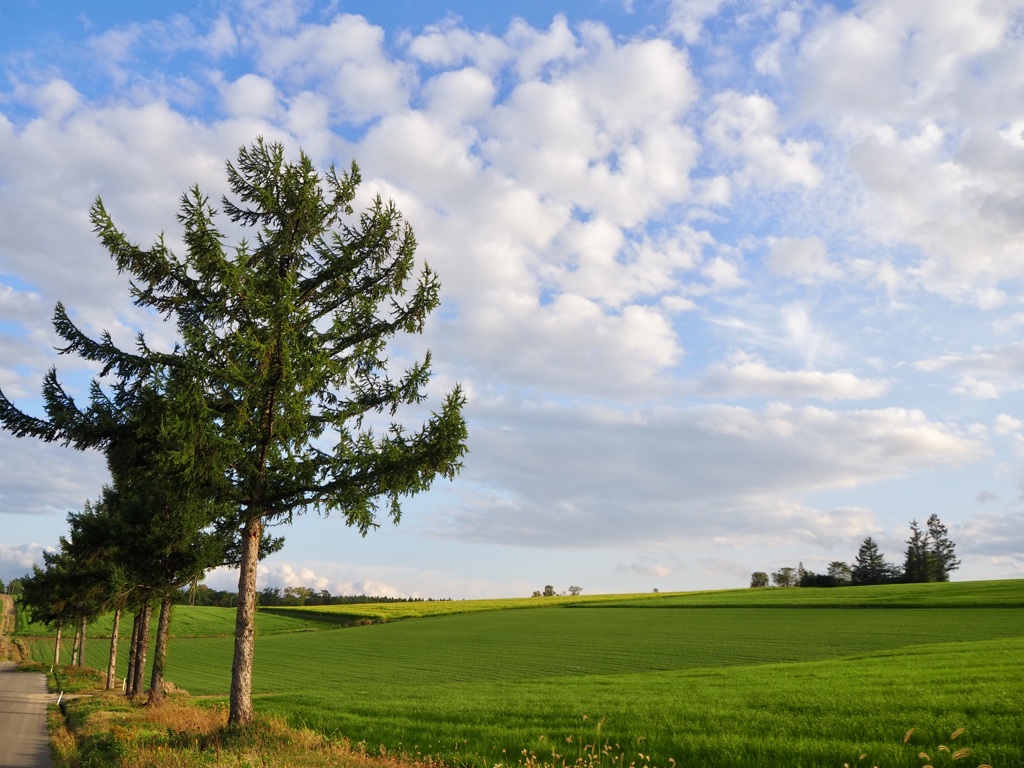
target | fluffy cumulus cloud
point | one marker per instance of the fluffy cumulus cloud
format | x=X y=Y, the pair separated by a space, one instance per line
x=17 y=561
x=983 y=373
x=802 y=259
x=754 y=378
x=922 y=100
x=343 y=60
x=706 y=471
x=278 y=573
x=697 y=275
x=745 y=129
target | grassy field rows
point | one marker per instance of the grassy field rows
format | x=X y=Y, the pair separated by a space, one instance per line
x=512 y=645
x=697 y=678
x=811 y=714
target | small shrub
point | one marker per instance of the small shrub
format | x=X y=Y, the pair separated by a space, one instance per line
x=101 y=750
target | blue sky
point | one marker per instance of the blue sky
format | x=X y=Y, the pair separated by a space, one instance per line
x=730 y=285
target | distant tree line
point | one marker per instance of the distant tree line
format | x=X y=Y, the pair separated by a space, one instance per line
x=930 y=556
x=549 y=591
x=271 y=597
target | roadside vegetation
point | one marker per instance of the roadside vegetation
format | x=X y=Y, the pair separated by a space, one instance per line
x=732 y=678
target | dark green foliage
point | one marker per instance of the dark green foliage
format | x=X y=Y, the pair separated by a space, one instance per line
x=159 y=524
x=941 y=550
x=785 y=577
x=271 y=597
x=871 y=567
x=812 y=579
x=47 y=592
x=930 y=554
x=917 y=565
x=840 y=573
x=286 y=337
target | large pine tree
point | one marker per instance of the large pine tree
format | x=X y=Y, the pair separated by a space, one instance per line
x=941 y=550
x=871 y=567
x=286 y=338
x=917 y=566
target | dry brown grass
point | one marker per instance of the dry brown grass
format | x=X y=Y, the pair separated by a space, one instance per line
x=182 y=733
x=944 y=751
x=946 y=755
x=7 y=628
x=62 y=741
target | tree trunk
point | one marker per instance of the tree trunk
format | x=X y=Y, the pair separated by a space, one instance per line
x=156 y=681
x=141 y=644
x=81 y=645
x=56 y=646
x=241 y=711
x=112 y=663
x=129 y=678
x=74 y=646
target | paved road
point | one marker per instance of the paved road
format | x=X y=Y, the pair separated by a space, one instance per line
x=24 y=741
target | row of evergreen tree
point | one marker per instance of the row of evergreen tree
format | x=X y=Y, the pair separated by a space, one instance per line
x=930 y=556
x=276 y=399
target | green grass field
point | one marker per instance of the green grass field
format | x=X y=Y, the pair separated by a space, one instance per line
x=798 y=677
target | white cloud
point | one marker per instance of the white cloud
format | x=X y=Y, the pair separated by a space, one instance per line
x=251 y=96
x=537 y=50
x=55 y=99
x=788 y=25
x=33 y=487
x=598 y=262
x=604 y=133
x=705 y=472
x=994 y=536
x=919 y=96
x=274 y=16
x=722 y=274
x=448 y=44
x=806 y=336
x=287 y=575
x=334 y=577
x=569 y=345
x=17 y=561
x=1007 y=425
x=753 y=378
x=221 y=39
x=674 y=304
x=687 y=17
x=983 y=374
x=345 y=59
x=464 y=95
x=899 y=59
x=648 y=569
x=803 y=259
x=745 y=128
